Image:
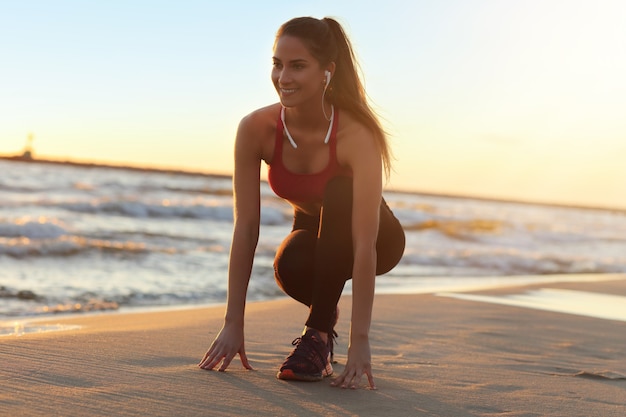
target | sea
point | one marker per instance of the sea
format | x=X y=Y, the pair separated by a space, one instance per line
x=77 y=239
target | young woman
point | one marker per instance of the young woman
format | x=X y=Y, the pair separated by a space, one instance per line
x=326 y=153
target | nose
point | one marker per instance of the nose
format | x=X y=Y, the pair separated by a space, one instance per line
x=283 y=77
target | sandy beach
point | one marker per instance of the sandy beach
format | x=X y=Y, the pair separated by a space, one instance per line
x=434 y=355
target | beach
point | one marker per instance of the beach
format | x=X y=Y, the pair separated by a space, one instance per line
x=434 y=354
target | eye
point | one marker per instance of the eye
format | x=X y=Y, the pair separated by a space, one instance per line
x=277 y=65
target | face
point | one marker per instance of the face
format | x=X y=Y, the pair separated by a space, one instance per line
x=297 y=75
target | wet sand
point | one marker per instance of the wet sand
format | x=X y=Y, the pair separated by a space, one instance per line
x=433 y=355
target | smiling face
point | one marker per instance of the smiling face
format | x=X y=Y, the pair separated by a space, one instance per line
x=297 y=75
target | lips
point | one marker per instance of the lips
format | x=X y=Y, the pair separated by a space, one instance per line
x=288 y=90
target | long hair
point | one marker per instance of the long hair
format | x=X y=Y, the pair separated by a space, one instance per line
x=327 y=42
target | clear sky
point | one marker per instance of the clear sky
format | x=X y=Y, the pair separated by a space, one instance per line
x=494 y=98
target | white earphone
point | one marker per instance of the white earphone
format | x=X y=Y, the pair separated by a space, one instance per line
x=328 y=75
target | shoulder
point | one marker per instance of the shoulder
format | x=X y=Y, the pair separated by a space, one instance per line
x=353 y=135
x=256 y=132
x=261 y=120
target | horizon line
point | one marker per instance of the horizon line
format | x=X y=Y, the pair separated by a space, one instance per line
x=181 y=171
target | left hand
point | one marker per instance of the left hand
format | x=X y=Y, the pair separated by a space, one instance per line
x=359 y=363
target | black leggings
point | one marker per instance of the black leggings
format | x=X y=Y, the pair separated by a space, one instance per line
x=314 y=261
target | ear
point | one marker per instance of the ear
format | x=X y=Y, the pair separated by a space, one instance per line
x=328 y=74
x=331 y=67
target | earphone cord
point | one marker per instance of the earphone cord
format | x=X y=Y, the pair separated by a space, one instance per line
x=293 y=142
x=324 y=107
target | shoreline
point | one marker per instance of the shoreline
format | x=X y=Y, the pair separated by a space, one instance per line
x=432 y=356
x=28 y=324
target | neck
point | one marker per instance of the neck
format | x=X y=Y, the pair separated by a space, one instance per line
x=313 y=124
x=308 y=117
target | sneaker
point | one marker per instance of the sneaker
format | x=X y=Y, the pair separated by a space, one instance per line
x=309 y=361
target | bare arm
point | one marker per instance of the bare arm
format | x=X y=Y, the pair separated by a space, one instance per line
x=246 y=196
x=366 y=166
x=246 y=215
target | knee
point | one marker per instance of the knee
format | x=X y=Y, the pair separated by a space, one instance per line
x=294 y=257
x=390 y=248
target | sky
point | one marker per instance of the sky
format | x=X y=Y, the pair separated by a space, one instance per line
x=522 y=100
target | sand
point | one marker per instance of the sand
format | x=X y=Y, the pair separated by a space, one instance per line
x=433 y=356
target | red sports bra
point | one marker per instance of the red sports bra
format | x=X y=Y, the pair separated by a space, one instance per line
x=303 y=188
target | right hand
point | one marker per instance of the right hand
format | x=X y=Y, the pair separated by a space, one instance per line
x=228 y=343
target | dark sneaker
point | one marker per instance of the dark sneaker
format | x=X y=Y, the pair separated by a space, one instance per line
x=309 y=361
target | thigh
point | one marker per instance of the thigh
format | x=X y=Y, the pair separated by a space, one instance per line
x=390 y=242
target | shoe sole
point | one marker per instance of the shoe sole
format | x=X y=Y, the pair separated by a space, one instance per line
x=290 y=375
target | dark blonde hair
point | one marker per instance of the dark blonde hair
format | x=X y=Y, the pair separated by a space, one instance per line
x=327 y=42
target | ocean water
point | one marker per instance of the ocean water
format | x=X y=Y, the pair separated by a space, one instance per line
x=75 y=239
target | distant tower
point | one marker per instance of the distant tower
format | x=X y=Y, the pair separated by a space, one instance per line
x=28 y=150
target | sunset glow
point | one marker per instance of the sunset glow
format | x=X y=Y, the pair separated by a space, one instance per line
x=521 y=100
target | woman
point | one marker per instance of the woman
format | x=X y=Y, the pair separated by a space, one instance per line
x=328 y=164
